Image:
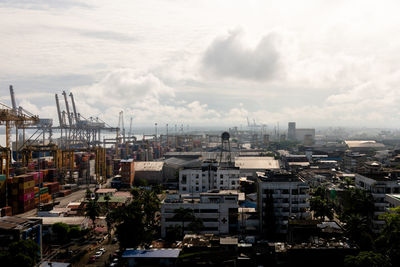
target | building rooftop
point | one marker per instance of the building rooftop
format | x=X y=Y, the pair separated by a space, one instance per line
x=256 y=163
x=75 y=220
x=363 y=144
x=149 y=166
x=13 y=222
x=151 y=253
x=106 y=190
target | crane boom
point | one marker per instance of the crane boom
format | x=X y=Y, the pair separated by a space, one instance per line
x=13 y=103
x=59 y=111
x=67 y=106
x=74 y=107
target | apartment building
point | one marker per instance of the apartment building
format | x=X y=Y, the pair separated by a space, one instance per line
x=217 y=209
x=379 y=184
x=282 y=196
x=210 y=176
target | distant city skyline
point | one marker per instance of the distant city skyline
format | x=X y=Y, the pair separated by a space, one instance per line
x=206 y=63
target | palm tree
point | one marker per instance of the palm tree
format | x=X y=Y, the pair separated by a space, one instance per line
x=183 y=215
x=92 y=210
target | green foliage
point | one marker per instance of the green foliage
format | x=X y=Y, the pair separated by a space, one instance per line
x=75 y=232
x=88 y=194
x=389 y=240
x=357 y=211
x=65 y=233
x=357 y=201
x=21 y=253
x=92 y=210
x=61 y=231
x=136 y=222
x=183 y=215
x=321 y=207
x=367 y=259
x=196 y=225
x=320 y=191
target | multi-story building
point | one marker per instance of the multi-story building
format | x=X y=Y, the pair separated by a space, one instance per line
x=127 y=172
x=13 y=229
x=281 y=196
x=211 y=176
x=291 y=131
x=379 y=184
x=218 y=211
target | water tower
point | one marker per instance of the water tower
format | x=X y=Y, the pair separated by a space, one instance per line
x=225 y=148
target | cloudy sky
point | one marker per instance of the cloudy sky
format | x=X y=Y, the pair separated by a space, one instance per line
x=319 y=63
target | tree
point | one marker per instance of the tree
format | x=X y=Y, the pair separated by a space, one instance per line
x=21 y=253
x=92 y=210
x=388 y=242
x=61 y=231
x=183 y=215
x=357 y=229
x=196 y=225
x=138 y=221
x=367 y=259
x=75 y=232
x=88 y=194
x=321 y=207
x=107 y=199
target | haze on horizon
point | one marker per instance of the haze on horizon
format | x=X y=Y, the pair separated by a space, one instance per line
x=206 y=63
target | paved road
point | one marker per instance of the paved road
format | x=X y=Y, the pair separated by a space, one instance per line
x=103 y=260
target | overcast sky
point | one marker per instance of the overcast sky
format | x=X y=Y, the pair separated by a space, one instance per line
x=319 y=63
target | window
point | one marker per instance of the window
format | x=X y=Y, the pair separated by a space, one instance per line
x=197 y=188
x=221 y=182
x=221 y=176
x=184 y=188
x=184 y=178
x=210 y=219
x=233 y=182
x=295 y=191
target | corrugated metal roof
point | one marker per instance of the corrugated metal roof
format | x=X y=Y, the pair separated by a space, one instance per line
x=149 y=166
x=151 y=253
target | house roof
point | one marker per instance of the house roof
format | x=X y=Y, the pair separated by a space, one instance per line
x=151 y=253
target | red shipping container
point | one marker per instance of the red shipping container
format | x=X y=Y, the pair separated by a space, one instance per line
x=26 y=197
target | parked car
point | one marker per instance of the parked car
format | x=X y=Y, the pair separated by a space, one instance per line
x=92 y=259
x=114 y=240
x=98 y=254
x=102 y=250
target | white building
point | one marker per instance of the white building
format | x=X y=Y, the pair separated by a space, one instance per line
x=281 y=195
x=379 y=186
x=217 y=209
x=209 y=177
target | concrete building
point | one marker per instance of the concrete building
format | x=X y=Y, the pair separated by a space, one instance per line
x=210 y=176
x=217 y=209
x=13 y=229
x=127 y=172
x=149 y=171
x=379 y=184
x=393 y=200
x=305 y=134
x=363 y=145
x=250 y=165
x=291 y=131
x=281 y=195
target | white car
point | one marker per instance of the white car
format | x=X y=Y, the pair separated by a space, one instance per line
x=102 y=250
x=98 y=254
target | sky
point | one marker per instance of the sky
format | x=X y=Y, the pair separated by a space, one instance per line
x=206 y=62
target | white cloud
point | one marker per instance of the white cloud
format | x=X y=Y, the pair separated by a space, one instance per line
x=230 y=57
